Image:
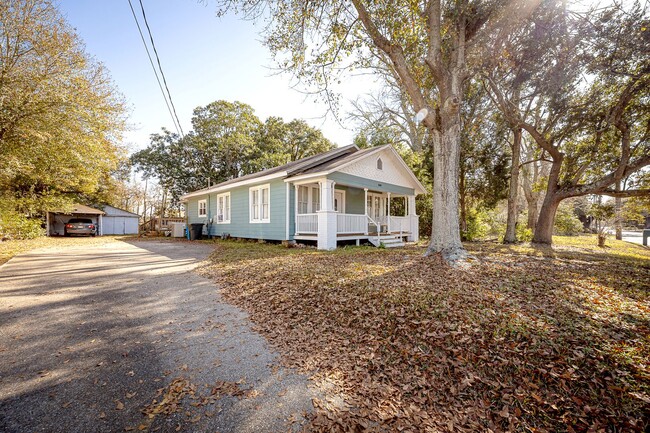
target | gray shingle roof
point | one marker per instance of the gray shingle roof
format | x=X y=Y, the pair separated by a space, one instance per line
x=292 y=168
x=324 y=162
x=338 y=162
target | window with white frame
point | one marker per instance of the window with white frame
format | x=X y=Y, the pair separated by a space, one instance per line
x=303 y=199
x=223 y=208
x=203 y=208
x=260 y=204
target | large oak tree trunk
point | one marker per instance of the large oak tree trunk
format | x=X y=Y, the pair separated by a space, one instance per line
x=463 y=203
x=544 y=228
x=618 y=221
x=532 y=198
x=445 y=231
x=533 y=207
x=546 y=220
x=511 y=224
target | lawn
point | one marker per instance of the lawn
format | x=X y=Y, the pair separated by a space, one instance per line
x=526 y=339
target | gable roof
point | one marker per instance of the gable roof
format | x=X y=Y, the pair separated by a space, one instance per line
x=279 y=171
x=338 y=164
x=323 y=163
x=121 y=211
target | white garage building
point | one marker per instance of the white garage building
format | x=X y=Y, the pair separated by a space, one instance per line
x=117 y=221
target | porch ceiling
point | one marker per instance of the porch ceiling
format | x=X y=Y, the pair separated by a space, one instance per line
x=350 y=181
x=370 y=184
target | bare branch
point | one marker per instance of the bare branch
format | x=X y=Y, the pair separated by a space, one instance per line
x=626 y=193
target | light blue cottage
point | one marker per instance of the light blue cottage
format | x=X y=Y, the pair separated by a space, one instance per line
x=343 y=194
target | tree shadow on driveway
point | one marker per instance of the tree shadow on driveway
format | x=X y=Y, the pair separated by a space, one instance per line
x=90 y=337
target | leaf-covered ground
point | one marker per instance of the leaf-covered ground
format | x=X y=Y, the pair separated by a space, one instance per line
x=527 y=339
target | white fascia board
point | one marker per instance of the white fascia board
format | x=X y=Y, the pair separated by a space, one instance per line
x=419 y=188
x=418 y=184
x=372 y=152
x=230 y=186
x=310 y=176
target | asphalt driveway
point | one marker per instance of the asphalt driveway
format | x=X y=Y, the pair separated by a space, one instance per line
x=126 y=336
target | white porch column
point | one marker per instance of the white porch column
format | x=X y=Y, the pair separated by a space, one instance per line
x=326 y=217
x=295 y=210
x=101 y=226
x=365 y=207
x=388 y=218
x=415 y=222
x=288 y=210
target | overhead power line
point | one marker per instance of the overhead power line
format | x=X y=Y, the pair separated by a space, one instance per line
x=153 y=45
x=166 y=96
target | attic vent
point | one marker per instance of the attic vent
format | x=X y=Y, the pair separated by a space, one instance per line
x=380 y=164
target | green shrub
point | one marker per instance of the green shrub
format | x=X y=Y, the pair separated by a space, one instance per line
x=496 y=223
x=477 y=228
x=16 y=226
x=524 y=234
x=566 y=221
x=424 y=208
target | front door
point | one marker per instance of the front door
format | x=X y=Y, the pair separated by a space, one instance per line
x=375 y=207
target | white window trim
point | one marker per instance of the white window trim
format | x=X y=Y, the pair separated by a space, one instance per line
x=224 y=196
x=204 y=202
x=307 y=202
x=312 y=197
x=258 y=188
x=314 y=192
x=342 y=191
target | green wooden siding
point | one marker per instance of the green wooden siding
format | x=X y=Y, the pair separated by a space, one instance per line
x=354 y=198
x=192 y=210
x=240 y=225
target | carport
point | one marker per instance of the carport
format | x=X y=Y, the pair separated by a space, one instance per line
x=55 y=221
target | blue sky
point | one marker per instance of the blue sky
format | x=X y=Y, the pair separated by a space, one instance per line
x=204 y=58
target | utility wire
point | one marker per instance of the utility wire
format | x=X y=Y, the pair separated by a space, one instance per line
x=153 y=45
x=137 y=23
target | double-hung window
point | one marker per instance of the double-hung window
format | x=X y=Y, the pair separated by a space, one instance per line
x=308 y=199
x=303 y=199
x=223 y=208
x=260 y=204
x=315 y=199
x=203 y=208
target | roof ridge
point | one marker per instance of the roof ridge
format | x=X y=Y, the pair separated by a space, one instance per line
x=324 y=158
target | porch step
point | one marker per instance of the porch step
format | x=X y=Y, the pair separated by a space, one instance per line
x=389 y=241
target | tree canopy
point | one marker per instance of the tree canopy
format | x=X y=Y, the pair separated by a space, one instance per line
x=227 y=141
x=61 y=117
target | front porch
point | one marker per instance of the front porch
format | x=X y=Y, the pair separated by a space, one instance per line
x=379 y=217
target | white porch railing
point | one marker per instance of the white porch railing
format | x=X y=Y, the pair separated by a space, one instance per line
x=354 y=223
x=351 y=223
x=400 y=224
x=307 y=223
